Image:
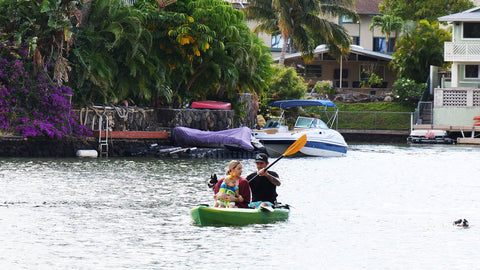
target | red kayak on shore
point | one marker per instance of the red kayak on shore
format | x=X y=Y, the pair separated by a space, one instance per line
x=208 y=104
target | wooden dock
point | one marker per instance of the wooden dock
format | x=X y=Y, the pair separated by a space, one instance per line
x=465 y=134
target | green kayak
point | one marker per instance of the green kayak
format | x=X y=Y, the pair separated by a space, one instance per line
x=204 y=215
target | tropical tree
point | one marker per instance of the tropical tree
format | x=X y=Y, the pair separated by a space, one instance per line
x=427 y=9
x=112 y=55
x=214 y=54
x=419 y=48
x=387 y=25
x=305 y=23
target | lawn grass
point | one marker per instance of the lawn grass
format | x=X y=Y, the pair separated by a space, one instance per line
x=373 y=115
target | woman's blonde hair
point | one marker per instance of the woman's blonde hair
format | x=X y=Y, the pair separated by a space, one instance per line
x=232 y=165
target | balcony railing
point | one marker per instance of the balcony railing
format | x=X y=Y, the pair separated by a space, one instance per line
x=462 y=51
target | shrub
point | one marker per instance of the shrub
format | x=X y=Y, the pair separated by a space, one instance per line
x=407 y=91
x=32 y=105
x=325 y=88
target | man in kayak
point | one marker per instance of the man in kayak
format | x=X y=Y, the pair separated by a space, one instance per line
x=263 y=184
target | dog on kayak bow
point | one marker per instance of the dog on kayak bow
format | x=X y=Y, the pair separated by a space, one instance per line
x=212 y=181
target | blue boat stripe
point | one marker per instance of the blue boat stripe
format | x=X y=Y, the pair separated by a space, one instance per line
x=318 y=145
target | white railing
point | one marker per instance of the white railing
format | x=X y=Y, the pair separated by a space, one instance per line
x=462 y=51
x=457 y=97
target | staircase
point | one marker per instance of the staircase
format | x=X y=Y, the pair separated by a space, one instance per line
x=426 y=113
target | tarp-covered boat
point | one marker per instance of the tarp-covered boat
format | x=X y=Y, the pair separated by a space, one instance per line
x=204 y=215
x=236 y=137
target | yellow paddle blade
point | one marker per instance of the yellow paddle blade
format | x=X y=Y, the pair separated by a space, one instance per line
x=296 y=146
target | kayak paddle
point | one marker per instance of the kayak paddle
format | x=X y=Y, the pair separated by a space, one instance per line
x=294 y=148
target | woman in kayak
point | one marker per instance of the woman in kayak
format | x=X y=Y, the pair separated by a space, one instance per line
x=228 y=187
x=243 y=198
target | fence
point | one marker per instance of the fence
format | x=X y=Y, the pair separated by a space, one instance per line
x=374 y=120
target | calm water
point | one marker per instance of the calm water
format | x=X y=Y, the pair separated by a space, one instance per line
x=380 y=207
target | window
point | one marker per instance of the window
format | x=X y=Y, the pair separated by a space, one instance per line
x=366 y=70
x=336 y=73
x=471 y=30
x=309 y=71
x=379 y=44
x=356 y=40
x=277 y=43
x=471 y=71
x=347 y=19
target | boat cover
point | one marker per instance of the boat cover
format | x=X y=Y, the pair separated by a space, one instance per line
x=283 y=104
x=239 y=137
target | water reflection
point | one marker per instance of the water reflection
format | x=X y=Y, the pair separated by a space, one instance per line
x=380 y=201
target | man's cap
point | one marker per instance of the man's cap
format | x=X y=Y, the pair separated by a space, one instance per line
x=261 y=157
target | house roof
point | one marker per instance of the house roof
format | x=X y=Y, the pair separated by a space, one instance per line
x=353 y=49
x=367 y=6
x=471 y=15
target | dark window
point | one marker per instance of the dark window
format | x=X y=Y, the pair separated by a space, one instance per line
x=471 y=71
x=471 y=30
x=313 y=71
x=336 y=73
x=380 y=43
x=309 y=71
x=356 y=40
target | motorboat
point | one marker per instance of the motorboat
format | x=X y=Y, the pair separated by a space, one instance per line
x=322 y=140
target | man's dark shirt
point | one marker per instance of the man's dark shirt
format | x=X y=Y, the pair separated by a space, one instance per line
x=262 y=188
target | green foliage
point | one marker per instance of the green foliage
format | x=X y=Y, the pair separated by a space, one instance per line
x=387 y=24
x=374 y=80
x=426 y=9
x=408 y=91
x=211 y=53
x=46 y=26
x=285 y=84
x=419 y=48
x=325 y=88
x=305 y=23
x=113 y=56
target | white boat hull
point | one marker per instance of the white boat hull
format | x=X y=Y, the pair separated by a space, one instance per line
x=320 y=143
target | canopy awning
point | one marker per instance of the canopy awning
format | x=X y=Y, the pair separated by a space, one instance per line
x=283 y=104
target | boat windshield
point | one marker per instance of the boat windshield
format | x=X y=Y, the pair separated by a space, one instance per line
x=273 y=123
x=307 y=122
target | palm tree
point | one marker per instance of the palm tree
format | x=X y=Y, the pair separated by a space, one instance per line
x=304 y=22
x=387 y=24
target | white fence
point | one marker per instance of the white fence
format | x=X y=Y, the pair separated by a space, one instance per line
x=457 y=97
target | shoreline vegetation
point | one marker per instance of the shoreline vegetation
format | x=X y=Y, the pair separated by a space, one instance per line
x=75 y=54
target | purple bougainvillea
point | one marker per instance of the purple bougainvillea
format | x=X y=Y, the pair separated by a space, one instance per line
x=33 y=105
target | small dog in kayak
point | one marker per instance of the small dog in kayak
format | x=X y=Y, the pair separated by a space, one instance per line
x=461 y=223
x=213 y=181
